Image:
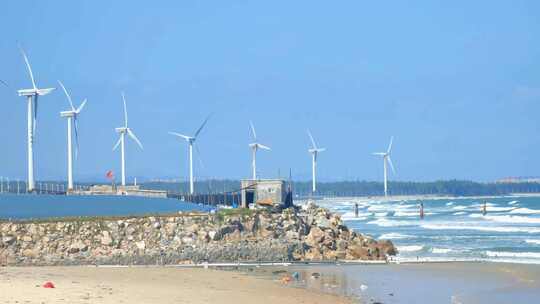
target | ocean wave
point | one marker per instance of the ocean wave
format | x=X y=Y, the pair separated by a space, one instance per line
x=512 y=219
x=394 y=236
x=383 y=222
x=441 y=250
x=410 y=248
x=513 y=202
x=536 y=242
x=504 y=229
x=509 y=254
x=460 y=213
x=449 y=203
x=405 y=213
x=525 y=211
x=459 y=207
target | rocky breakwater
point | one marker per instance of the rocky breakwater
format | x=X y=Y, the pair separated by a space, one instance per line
x=313 y=234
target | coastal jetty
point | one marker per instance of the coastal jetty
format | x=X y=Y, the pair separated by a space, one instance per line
x=230 y=235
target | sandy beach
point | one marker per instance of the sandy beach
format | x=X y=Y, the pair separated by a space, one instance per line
x=147 y=285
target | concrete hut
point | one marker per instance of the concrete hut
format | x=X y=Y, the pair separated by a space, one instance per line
x=267 y=192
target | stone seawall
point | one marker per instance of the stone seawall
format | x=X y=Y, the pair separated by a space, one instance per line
x=239 y=235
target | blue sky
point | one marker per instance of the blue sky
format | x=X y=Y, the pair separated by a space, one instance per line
x=456 y=82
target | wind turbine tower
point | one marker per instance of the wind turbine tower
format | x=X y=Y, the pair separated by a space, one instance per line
x=314 y=154
x=71 y=116
x=254 y=147
x=386 y=160
x=191 y=141
x=121 y=141
x=32 y=110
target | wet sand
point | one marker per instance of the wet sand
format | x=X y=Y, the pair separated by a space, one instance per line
x=425 y=283
x=148 y=285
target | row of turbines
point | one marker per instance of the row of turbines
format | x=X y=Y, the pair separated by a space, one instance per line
x=73 y=113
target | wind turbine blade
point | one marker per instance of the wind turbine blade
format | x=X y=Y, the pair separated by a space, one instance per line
x=125 y=110
x=391 y=164
x=132 y=135
x=67 y=95
x=312 y=140
x=81 y=106
x=379 y=153
x=199 y=157
x=117 y=143
x=390 y=145
x=202 y=126
x=321 y=149
x=76 y=128
x=180 y=135
x=263 y=147
x=253 y=130
x=28 y=66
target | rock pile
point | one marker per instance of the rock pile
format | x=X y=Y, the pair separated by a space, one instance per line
x=313 y=234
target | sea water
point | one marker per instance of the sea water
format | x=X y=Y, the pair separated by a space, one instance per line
x=46 y=206
x=452 y=229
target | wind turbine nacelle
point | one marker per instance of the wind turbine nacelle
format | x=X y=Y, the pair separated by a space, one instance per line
x=67 y=114
x=121 y=130
x=33 y=92
x=27 y=92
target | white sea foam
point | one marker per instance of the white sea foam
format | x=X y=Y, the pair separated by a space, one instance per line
x=509 y=254
x=513 y=202
x=536 y=242
x=459 y=207
x=499 y=209
x=441 y=250
x=410 y=248
x=405 y=213
x=525 y=211
x=460 y=213
x=449 y=203
x=512 y=219
x=394 y=236
x=383 y=222
x=481 y=228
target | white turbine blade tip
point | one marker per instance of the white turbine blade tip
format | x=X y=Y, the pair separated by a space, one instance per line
x=132 y=135
x=81 y=106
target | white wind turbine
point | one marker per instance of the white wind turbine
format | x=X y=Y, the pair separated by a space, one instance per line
x=254 y=147
x=72 y=116
x=314 y=153
x=191 y=140
x=386 y=160
x=32 y=98
x=121 y=141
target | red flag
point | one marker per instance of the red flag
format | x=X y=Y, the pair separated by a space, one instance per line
x=110 y=175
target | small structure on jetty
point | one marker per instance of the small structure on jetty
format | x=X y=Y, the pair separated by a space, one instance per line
x=268 y=192
x=133 y=190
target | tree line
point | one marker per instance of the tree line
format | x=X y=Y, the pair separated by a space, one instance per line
x=363 y=188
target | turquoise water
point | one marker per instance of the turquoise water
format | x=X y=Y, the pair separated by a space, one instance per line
x=44 y=206
x=452 y=229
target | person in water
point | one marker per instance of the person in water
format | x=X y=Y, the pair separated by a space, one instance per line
x=355 y=209
x=484 y=208
x=421 y=210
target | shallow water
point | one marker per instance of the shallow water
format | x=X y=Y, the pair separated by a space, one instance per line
x=465 y=283
x=452 y=229
x=46 y=206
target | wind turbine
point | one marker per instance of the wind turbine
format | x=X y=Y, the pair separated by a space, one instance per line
x=387 y=160
x=121 y=141
x=314 y=153
x=254 y=147
x=191 y=140
x=32 y=98
x=71 y=116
